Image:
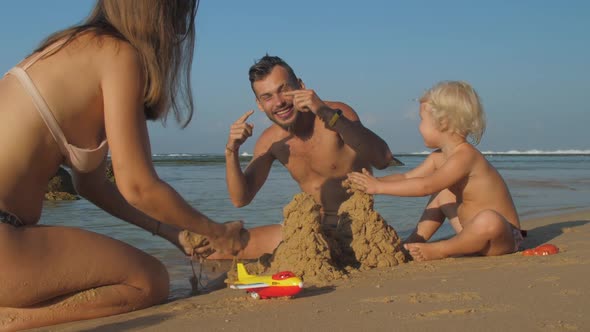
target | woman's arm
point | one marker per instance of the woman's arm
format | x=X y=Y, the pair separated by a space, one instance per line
x=96 y=188
x=126 y=130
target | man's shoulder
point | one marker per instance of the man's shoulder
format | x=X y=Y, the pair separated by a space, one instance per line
x=338 y=105
x=271 y=134
x=347 y=111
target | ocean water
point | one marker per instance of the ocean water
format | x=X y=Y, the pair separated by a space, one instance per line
x=541 y=184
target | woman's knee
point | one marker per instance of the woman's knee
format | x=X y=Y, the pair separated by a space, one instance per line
x=153 y=281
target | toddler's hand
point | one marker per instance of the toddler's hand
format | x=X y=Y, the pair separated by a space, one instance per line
x=364 y=182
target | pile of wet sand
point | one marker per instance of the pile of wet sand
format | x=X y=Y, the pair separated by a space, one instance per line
x=361 y=240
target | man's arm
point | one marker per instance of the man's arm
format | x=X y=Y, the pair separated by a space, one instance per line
x=243 y=186
x=368 y=145
x=343 y=119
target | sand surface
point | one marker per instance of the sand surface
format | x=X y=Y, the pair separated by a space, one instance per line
x=506 y=293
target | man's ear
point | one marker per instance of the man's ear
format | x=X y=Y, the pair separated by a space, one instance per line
x=301 y=84
x=259 y=105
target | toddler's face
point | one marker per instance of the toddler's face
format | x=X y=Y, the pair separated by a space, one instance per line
x=428 y=128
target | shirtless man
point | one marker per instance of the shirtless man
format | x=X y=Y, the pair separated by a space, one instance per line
x=318 y=141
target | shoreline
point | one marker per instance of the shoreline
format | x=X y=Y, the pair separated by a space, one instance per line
x=467 y=293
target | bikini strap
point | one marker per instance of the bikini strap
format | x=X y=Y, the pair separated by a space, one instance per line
x=42 y=108
x=35 y=57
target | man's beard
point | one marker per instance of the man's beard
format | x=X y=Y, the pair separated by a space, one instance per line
x=286 y=126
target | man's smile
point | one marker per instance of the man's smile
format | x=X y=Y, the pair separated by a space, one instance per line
x=284 y=113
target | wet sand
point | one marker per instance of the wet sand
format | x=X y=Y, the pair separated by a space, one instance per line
x=509 y=293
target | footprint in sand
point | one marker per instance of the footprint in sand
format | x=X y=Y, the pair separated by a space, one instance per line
x=380 y=299
x=446 y=312
x=570 y=292
x=558 y=326
x=443 y=297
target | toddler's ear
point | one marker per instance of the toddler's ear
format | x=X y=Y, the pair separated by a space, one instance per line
x=443 y=125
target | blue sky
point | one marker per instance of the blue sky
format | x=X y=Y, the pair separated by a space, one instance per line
x=529 y=61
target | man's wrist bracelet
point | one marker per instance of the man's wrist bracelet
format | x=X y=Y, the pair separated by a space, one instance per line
x=334 y=118
x=228 y=149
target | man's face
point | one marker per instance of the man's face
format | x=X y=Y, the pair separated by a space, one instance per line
x=270 y=99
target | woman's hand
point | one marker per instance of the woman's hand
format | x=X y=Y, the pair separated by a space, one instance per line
x=229 y=238
x=364 y=182
x=189 y=243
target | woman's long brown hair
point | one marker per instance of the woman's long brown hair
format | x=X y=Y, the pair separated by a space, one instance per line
x=163 y=33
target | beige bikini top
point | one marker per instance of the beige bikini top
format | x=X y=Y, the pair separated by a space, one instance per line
x=79 y=159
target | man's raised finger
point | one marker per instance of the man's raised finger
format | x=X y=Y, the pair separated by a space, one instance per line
x=292 y=93
x=245 y=117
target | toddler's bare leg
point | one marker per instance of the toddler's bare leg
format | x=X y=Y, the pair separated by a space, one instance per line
x=487 y=234
x=441 y=205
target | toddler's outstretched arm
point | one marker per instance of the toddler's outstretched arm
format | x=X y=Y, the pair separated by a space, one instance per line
x=450 y=172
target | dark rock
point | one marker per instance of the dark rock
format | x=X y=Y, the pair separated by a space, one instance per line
x=61 y=182
x=60 y=196
x=110 y=172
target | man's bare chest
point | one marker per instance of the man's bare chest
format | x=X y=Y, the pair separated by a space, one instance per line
x=316 y=158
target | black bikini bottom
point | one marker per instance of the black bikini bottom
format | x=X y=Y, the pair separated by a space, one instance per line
x=11 y=219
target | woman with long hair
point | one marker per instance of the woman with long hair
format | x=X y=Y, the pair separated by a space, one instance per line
x=87 y=85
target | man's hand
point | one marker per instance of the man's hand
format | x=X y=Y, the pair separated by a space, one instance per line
x=306 y=100
x=239 y=132
x=364 y=182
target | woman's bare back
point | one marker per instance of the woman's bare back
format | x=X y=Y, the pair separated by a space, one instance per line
x=75 y=100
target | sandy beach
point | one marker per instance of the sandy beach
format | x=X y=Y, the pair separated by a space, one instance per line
x=506 y=293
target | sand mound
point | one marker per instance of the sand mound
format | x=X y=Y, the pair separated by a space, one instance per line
x=304 y=249
x=365 y=239
x=362 y=240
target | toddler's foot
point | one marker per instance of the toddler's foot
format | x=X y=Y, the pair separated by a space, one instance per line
x=424 y=251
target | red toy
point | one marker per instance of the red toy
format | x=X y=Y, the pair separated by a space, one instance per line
x=280 y=284
x=542 y=250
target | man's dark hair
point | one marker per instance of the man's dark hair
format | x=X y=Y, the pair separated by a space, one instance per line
x=264 y=66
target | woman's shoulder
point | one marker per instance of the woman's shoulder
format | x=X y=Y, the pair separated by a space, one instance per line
x=114 y=51
x=116 y=59
x=106 y=54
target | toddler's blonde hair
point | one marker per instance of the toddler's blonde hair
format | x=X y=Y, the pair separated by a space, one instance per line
x=459 y=104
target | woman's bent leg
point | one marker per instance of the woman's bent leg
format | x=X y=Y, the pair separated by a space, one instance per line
x=52 y=275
